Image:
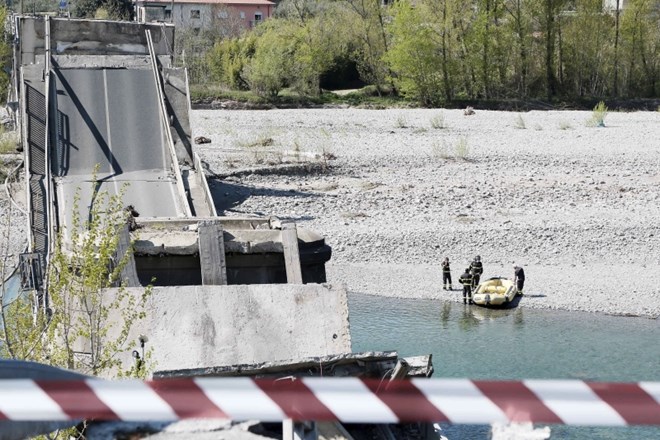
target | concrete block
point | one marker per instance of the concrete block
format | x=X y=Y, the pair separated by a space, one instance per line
x=205 y=326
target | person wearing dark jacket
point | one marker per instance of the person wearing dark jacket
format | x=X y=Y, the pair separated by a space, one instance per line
x=466 y=281
x=476 y=269
x=446 y=275
x=519 y=278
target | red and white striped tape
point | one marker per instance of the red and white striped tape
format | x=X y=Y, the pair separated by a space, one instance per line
x=343 y=399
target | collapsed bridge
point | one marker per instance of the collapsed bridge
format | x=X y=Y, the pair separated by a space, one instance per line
x=101 y=102
x=103 y=109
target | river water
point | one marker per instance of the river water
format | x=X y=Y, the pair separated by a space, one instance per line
x=519 y=343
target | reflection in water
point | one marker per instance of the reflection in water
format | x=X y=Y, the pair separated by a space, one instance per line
x=445 y=314
x=518 y=317
x=469 y=319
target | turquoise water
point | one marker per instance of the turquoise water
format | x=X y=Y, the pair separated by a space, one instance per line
x=477 y=343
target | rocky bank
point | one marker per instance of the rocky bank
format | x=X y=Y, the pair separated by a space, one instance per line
x=394 y=191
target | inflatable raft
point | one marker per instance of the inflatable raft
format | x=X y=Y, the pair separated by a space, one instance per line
x=494 y=292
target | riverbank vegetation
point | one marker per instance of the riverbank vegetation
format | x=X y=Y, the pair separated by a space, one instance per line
x=435 y=53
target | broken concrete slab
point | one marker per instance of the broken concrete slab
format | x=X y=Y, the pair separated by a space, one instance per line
x=205 y=326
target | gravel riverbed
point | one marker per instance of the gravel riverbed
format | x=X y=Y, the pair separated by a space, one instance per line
x=394 y=191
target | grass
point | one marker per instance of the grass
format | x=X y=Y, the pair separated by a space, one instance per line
x=8 y=141
x=367 y=97
x=598 y=115
x=462 y=149
x=438 y=121
x=262 y=140
x=565 y=125
x=440 y=150
x=401 y=122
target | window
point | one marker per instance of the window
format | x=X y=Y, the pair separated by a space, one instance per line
x=168 y=14
x=223 y=14
x=194 y=13
x=257 y=17
x=242 y=14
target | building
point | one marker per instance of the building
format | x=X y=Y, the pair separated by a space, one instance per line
x=204 y=14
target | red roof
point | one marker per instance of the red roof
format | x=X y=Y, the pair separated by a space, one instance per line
x=210 y=2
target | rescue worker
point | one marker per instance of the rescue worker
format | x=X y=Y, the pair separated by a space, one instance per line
x=476 y=269
x=446 y=275
x=466 y=281
x=519 y=278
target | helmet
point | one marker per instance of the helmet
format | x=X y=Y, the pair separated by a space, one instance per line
x=477 y=258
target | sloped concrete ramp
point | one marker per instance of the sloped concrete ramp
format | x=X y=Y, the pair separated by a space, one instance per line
x=110 y=118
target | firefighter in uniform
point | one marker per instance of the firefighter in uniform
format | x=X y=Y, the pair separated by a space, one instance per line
x=519 y=278
x=476 y=269
x=446 y=275
x=466 y=281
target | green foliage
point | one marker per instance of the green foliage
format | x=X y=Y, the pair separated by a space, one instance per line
x=462 y=149
x=8 y=141
x=440 y=150
x=438 y=121
x=270 y=68
x=363 y=24
x=413 y=55
x=5 y=57
x=227 y=60
x=598 y=115
x=436 y=52
x=565 y=125
x=89 y=326
x=104 y=9
x=587 y=48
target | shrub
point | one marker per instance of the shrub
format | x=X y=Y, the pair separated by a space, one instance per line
x=8 y=141
x=462 y=148
x=438 y=121
x=598 y=115
x=565 y=125
x=79 y=313
x=440 y=150
x=401 y=122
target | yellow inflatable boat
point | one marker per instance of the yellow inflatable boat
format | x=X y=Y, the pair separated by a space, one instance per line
x=494 y=292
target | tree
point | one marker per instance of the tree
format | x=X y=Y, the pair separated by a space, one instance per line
x=226 y=22
x=587 y=50
x=269 y=69
x=5 y=57
x=78 y=331
x=227 y=61
x=111 y=9
x=413 y=54
x=368 y=39
x=641 y=48
x=550 y=26
x=520 y=24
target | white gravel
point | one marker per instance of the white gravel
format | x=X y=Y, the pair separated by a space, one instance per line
x=577 y=206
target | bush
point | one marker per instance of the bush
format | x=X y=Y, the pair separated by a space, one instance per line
x=598 y=115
